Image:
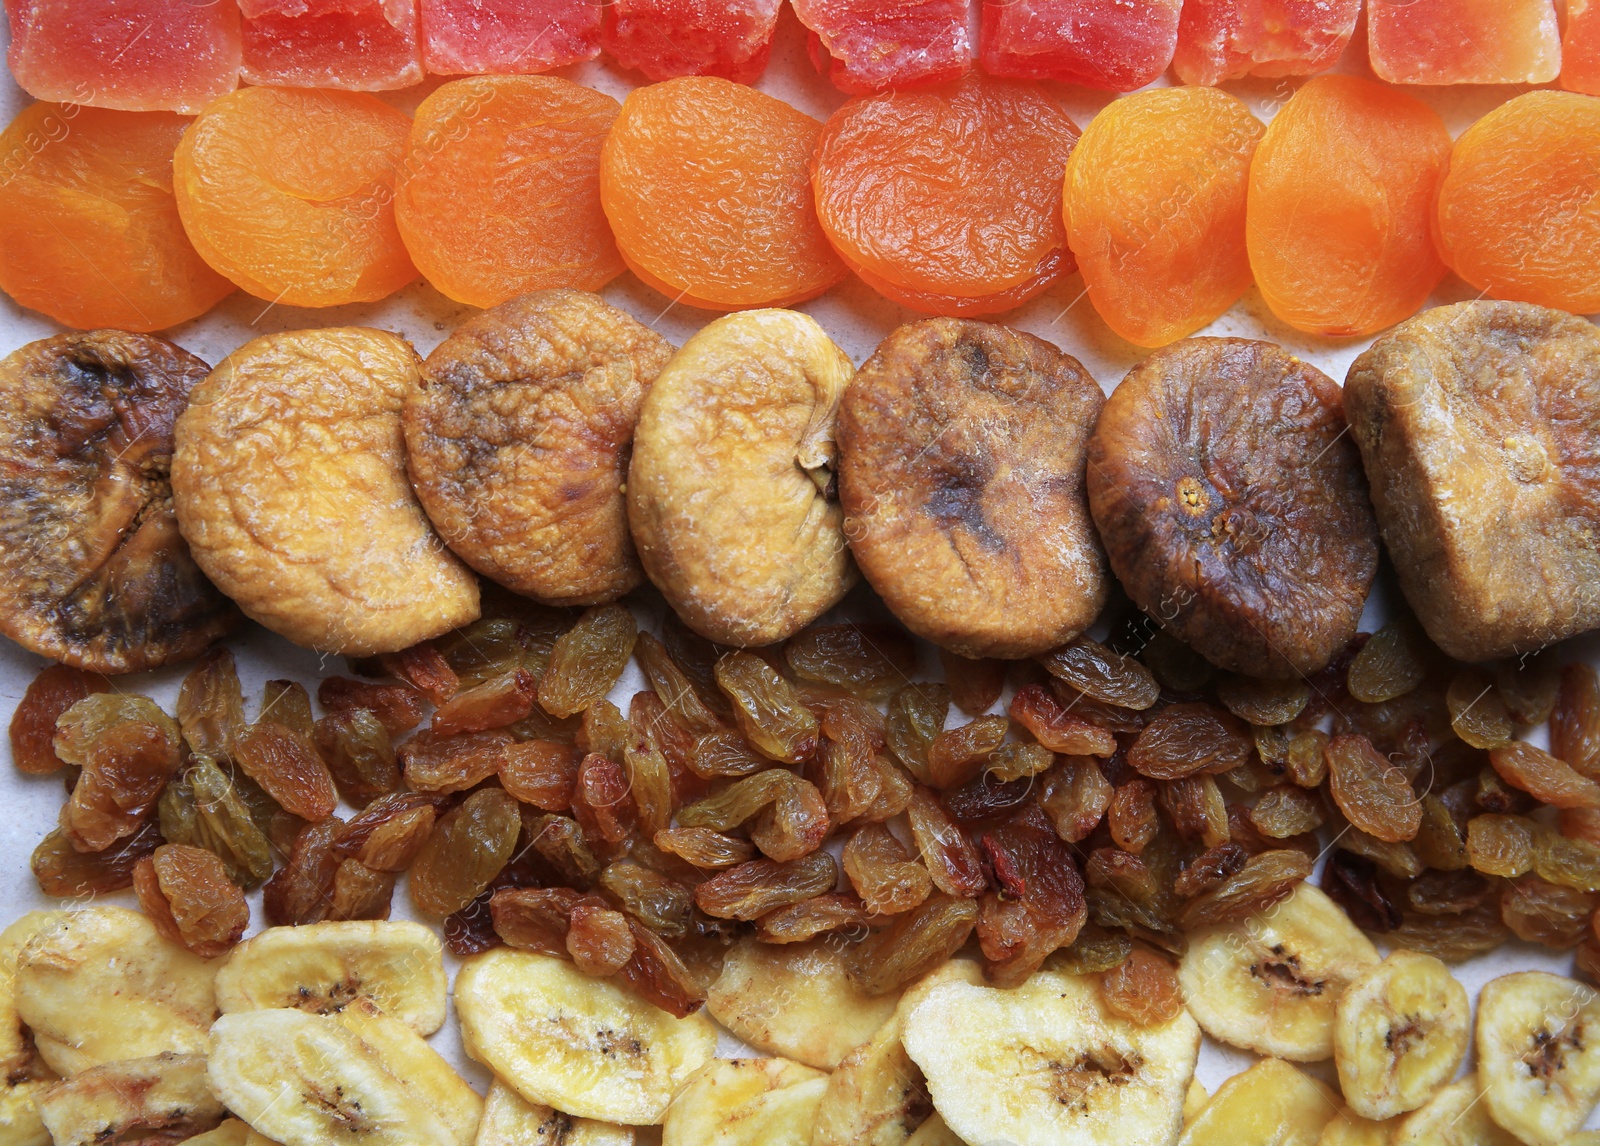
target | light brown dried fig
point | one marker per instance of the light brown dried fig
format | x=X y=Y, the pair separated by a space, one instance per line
x=289 y=480
x=731 y=492
x=93 y=571
x=1480 y=427
x=518 y=442
x=1232 y=504
x=961 y=450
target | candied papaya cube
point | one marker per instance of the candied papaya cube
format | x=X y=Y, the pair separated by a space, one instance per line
x=1228 y=39
x=357 y=45
x=665 y=39
x=869 y=45
x=134 y=55
x=508 y=37
x=1118 y=45
x=1580 y=50
x=1464 y=41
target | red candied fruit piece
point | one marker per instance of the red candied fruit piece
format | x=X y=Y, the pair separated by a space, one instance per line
x=508 y=37
x=869 y=45
x=665 y=39
x=1580 y=50
x=357 y=45
x=1464 y=41
x=1228 y=39
x=1118 y=45
x=135 y=55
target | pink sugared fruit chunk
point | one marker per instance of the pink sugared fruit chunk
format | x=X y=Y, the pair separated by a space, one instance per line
x=1464 y=41
x=1118 y=45
x=137 y=55
x=508 y=37
x=870 y=45
x=356 y=45
x=1580 y=51
x=1228 y=39
x=669 y=38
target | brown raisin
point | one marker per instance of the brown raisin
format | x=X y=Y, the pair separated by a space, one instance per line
x=1094 y=951
x=360 y=892
x=541 y=772
x=599 y=939
x=1373 y=794
x=359 y=754
x=465 y=851
x=975 y=683
x=424 y=668
x=125 y=767
x=868 y=660
x=659 y=975
x=794 y=824
x=288 y=767
x=63 y=871
x=705 y=848
x=1264 y=880
x=1388 y=665
x=389 y=832
x=1286 y=811
x=1307 y=759
x=919 y=940
x=1057 y=728
x=210 y=707
x=187 y=894
x=1187 y=738
x=587 y=660
x=958 y=754
x=767 y=708
x=1209 y=869
x=1528 y=687
x=560 y=843
x=496 y=703
x=1131 y=815
x=752 y=889
x=1262 y=702
x=33 y=724
x=1570 y=863
x=287 y=702
x=725 y=753
x=601 y=801
x=1142 y=989
x=1575 y=722
x=301 y=890
x=1453 y=938
x=1477 y=713
x=1543 y=776
x=536 y=918
x=1439 y=842
x=1123 y=872
x=649 y=775
x=1501 y=845
x=398 y=706
x=1447 y=892
x=1546 y=913
x=881 y=870
x=834 y=911
x=916 y=714
x=1581 y=824
x=1075 y=795
x=950 y=858
x=1197 y=810
x=1039 y=905
x=1097 y=671
x=1352 y=882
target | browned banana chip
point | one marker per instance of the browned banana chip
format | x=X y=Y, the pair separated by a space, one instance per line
x=961 y=473
x=93 y=570
x=1480 y=427
x=1232 y=505
x=289 y=479
x=518 y=443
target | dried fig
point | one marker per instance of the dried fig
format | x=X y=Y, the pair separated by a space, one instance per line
x=961 y=450
x=290 y=484
x=1478 y=424
x=93 y=571
x=731 y=491
x=518 y=442
x=1232 y=507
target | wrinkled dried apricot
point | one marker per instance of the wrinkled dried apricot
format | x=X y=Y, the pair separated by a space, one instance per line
x=290 y=194
x=935 y=222
x=499 y=190
x=1155 y=210
x=706 y=184
x=1341 y=201
x=1509 y=220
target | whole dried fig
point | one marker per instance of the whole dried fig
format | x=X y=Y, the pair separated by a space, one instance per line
x=518 y=442
x=731 y=492
x=93 y=571
x=289 y=480
x=1480 y=427
x=961 y=448
x=1232 y=505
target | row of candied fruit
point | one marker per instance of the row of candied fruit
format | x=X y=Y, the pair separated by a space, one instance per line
x=151 y=55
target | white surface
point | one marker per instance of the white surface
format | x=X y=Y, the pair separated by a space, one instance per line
x=852 y=314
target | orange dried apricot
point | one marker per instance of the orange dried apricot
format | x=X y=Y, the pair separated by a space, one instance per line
x=1341 y=194
x=706 y=183
x=1155 y=210
x=290 y=194
x=89 y=232
x=948 y=200
x=499 y=193
x=1515 y=208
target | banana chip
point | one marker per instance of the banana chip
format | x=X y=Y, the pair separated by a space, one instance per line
x=587 y=1047
x=746 y=1102
x=23 y=1075
x=934 y=1132
x=1271 y=1104
x=232 y=1132
x=511 y=1120
x=1347 y=1128
x=158 y=1098
x=1456 y=1116
x=1539 y=1054
x=1400 y=1032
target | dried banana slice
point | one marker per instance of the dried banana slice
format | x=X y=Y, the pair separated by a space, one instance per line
x=16 y=1047
x=1347 y=1128
x=358 y=1078
x=1271 y=1104
x=746 y=1102
x=585 y=1046
x=1194 y=1101
x=795 y=1000
x=20 y=1124
x=511 y=1120
x=164 y=1097
x=934 y=1132
x=1400 y=1031
x=1270 y=983
x=1539 y=1054
x=232 y=1132
x=1456 y=1116
x=101 y=984
x=323 y=967
x=1047 y=1064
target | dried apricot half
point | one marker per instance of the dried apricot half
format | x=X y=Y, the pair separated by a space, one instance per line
x=961 y=448
x=948 y=199
x=499 y=193
x=93 y=571
x=89 y=231
x=707 y=186
x=1478 y=425
x=1232 y=504
x=290 y=194
x=289 y=480
x=1515 y=208
x=731 y=491
x=518 y=441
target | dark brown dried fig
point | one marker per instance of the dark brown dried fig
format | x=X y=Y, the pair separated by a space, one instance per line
x=1478 y=424
x=961 y=473
x=93 y=571
x=1232 y=507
